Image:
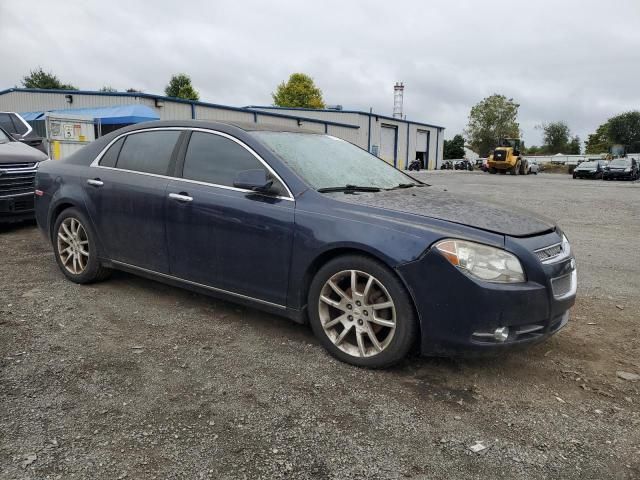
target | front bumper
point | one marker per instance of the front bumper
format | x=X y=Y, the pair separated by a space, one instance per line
x=618 y=175
x=585 y=174
x=459 y=314
x=17 y=208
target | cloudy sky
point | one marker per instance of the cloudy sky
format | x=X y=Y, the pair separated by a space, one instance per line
x=577 y=61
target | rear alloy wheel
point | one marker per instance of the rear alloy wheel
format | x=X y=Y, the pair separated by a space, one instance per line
x=75 y=248
x=361 y=312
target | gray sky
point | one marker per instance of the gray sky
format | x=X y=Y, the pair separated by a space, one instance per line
x=577 y=61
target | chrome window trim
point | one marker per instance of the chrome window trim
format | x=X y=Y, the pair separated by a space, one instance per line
x=96 y=162
x=201 y=285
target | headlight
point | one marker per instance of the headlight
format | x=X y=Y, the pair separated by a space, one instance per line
x=628 y=169
x=566 y=247
x=481 y=261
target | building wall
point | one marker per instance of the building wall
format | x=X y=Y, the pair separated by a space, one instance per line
x=361 y=136
x=366 y=136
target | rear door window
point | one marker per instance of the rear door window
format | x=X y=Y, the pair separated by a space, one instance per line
x=216 y=159
x=148 y=152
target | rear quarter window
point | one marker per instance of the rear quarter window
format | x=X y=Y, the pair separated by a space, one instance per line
x=110 y=158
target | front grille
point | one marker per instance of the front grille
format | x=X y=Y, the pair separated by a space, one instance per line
x=548 y=253
x=16 y=183
x=13 y=166
x=25 y=204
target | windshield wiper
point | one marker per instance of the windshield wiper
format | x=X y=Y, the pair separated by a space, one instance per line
x=349 y=189
x=406 y=185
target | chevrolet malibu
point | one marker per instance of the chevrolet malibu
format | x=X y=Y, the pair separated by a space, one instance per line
x=311 y=227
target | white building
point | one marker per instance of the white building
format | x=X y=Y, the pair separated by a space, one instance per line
x=397 y=141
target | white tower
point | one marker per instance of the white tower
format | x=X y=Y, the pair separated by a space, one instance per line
x=398 y=92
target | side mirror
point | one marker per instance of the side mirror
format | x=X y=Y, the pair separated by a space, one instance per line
x=256 y=180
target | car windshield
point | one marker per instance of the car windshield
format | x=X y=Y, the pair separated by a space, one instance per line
x=620 y=162
x=326 y=162
x=4 y=138
x=588 y=165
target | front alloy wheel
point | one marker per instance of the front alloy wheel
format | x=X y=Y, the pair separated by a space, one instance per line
x=73 y=246
x=357 y=313
x=361 y=312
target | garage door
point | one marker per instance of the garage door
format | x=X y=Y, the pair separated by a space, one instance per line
x=388 y=143
x=422 y=141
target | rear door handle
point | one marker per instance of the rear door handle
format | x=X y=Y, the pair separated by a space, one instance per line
x=181 y=197
x=95 y=182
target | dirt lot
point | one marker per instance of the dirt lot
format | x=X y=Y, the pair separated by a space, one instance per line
x=134 y=379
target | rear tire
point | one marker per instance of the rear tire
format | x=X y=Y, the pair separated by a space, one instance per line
x=75 y=248
x=351 y=322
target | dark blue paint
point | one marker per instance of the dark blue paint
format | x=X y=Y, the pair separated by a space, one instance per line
x=266 y=249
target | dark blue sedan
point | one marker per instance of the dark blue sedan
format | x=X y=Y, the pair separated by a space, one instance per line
x=311 y=227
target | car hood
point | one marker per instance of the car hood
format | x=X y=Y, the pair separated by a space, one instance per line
x=438 y=203
x=17 y=152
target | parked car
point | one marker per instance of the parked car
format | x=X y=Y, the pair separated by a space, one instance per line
x=532 y=167
x=311 y=227
x=589 y=169
x=463 y=165
x=446 y=165
x=13 y=124
x=18 y=165
x=621 y=169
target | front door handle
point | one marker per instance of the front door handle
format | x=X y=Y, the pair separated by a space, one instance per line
x=181 y=197
x=95 y=182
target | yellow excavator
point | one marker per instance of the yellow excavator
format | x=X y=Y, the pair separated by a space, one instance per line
x=507 y=158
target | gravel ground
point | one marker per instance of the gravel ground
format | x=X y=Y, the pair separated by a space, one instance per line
x=134 y=379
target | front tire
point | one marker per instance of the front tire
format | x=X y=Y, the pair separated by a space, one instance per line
x=361 y=313
x=75 y=248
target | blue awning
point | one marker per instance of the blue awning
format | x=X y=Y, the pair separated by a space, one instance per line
x=118 y=115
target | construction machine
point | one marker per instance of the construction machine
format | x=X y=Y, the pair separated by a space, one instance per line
x=507 y=158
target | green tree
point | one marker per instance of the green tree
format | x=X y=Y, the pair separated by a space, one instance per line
x=180 y=87
x=533 y=150
x=133 y=90
x=573 y=147
x=38 y=78
x=298 y=91
x=625 y=130
x=556 y=137
x=108 y=88
x=495 y=117
x=454 y=148
x=599 y=141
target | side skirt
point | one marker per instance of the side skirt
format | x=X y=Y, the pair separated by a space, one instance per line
x=277 y=309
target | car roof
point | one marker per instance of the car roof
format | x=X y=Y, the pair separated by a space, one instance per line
x=216 y=125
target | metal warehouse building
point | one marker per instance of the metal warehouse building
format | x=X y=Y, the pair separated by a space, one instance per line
x=396 y=141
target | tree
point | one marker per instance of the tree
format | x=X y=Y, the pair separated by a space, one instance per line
x=624 y=129
x=556 y=137
x=533 y=150
x=298 y=91
x=108 y=88
x=38 y=78
x=599 y=141
x=573 y=147
x=495 y=117
x=133 y=90
x=180 y=87
x=454 y=148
